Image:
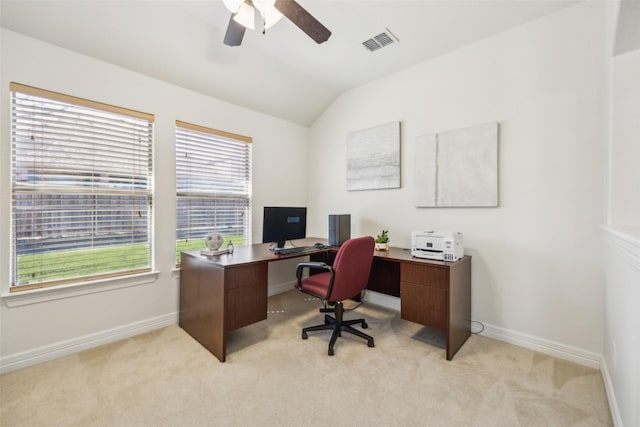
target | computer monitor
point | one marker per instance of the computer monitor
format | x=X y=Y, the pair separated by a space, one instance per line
x=283 y=223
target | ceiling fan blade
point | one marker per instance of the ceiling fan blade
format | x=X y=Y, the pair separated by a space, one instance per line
x=234 y=34
x=303 y=19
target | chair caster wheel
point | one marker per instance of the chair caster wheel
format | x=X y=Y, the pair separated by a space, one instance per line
x=364 y=325
x=304 y=335
x=330 y=352
x=370 y=344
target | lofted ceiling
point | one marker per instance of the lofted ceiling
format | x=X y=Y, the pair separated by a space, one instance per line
x=282 y=73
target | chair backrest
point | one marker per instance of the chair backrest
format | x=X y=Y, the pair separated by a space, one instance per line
x=352 y=266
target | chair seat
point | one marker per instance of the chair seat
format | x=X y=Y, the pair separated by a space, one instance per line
x=316 y=284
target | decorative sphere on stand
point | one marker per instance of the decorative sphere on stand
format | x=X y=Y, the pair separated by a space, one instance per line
x=213 y=241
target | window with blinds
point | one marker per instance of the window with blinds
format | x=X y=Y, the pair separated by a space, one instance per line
x=213 y=186
x=81 y=189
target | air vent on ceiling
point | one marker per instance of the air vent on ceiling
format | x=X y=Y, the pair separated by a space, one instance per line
x=380 y=41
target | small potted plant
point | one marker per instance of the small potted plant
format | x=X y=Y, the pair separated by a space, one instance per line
x=382 y=241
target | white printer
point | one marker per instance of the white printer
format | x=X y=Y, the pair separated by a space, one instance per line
x=439 y=245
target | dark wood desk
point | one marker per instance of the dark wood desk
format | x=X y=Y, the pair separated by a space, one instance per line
x=219 y=294
x=432 y=293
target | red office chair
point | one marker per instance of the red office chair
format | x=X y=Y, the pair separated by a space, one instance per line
x=345 y=279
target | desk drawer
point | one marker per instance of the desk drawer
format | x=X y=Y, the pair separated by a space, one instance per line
x=242 y=275
x=423 y=295
x=425 y=305
x=424 y=275
x=246 y=295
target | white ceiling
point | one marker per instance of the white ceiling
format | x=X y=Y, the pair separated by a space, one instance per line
x=181 y=42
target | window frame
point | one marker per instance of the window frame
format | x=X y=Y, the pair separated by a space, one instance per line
x=238 y=194
x=143 y=189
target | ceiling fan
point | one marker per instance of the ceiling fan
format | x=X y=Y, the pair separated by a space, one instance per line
x=271 y=11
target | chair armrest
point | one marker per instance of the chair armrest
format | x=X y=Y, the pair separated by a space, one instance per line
x=312 y=266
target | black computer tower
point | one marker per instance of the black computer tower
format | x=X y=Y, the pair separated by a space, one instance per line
x=339 y=229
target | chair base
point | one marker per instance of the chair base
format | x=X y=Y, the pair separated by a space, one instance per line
x=338 y=325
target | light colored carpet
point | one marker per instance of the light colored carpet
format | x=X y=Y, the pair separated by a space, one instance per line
x=274 y=378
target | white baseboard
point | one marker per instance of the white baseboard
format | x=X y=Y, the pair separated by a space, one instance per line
x=383 y=300
x=27 y=358
x=611 y=394
x=281 y=288
x=372 y=297
x=63 y=348
x=551 y=348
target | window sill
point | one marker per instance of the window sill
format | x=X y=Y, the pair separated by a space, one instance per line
x=37 y=296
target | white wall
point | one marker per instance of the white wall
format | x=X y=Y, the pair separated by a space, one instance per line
x=625 y=150
x=37 y=331
x=622 y=242
x=537 y=269
x=622 y=350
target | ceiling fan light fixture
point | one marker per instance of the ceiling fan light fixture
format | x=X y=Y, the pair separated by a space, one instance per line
x=263 y=5
x=245 y=16
x=270 y=17
x=233 y=5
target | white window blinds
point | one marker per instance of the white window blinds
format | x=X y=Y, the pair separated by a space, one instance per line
x=81 y=189
x=213 y=186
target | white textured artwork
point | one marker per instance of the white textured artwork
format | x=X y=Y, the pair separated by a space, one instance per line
x=373 y=158
x=457 y=168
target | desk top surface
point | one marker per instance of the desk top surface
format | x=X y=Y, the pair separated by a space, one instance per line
x=260 y=252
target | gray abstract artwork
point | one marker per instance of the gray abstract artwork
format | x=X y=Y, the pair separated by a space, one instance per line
x=373 y=158
x=457 y=168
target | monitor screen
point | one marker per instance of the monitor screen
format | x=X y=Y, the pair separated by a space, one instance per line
x=283 y=223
